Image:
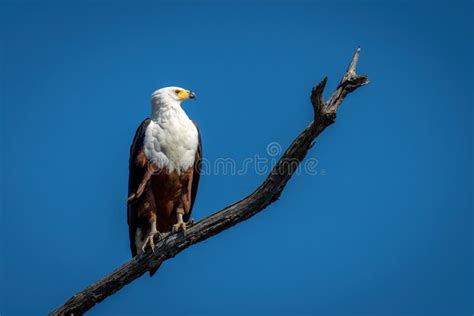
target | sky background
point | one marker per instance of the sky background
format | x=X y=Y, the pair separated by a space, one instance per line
x=384 y=228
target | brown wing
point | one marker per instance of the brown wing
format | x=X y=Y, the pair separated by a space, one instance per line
x=137 y=166
x=196 y=175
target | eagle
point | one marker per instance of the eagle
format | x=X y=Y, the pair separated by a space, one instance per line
x=164 y=170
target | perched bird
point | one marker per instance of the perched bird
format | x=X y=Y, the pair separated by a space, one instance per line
x=164 y=170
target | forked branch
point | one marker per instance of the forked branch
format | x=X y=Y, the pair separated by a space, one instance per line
x=268 y=192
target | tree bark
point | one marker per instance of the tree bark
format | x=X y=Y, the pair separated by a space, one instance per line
x=268 y=192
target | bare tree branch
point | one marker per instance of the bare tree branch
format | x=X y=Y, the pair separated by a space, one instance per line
x=268 y=192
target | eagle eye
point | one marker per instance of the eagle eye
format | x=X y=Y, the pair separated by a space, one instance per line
x=176 y=91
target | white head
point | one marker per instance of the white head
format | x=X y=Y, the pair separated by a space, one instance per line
x=170 y=97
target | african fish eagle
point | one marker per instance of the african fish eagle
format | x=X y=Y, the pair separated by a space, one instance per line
x=164 y=170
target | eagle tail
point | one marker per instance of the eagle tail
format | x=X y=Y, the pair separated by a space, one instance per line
x=153 y=271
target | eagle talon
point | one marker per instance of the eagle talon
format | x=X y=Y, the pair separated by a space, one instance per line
x=179 y=226
x=150 y=239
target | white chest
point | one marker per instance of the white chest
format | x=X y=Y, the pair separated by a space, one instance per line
x=171 y=142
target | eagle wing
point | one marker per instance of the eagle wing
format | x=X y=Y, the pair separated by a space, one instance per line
x=137 y=167
x=196 y=175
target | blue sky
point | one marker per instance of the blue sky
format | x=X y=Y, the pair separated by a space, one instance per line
x=384 y=228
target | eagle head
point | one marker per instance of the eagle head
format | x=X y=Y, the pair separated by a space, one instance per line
x=171 y=95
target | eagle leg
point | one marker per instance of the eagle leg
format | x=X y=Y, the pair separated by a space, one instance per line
x=180 y=225
x=150 y=237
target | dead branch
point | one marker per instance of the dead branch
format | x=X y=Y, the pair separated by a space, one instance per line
x=268 y=192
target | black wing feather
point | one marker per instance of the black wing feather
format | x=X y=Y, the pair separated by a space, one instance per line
x=196 y=176
x=135 y=176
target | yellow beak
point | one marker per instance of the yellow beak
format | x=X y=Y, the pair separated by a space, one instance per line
x=186 y=94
